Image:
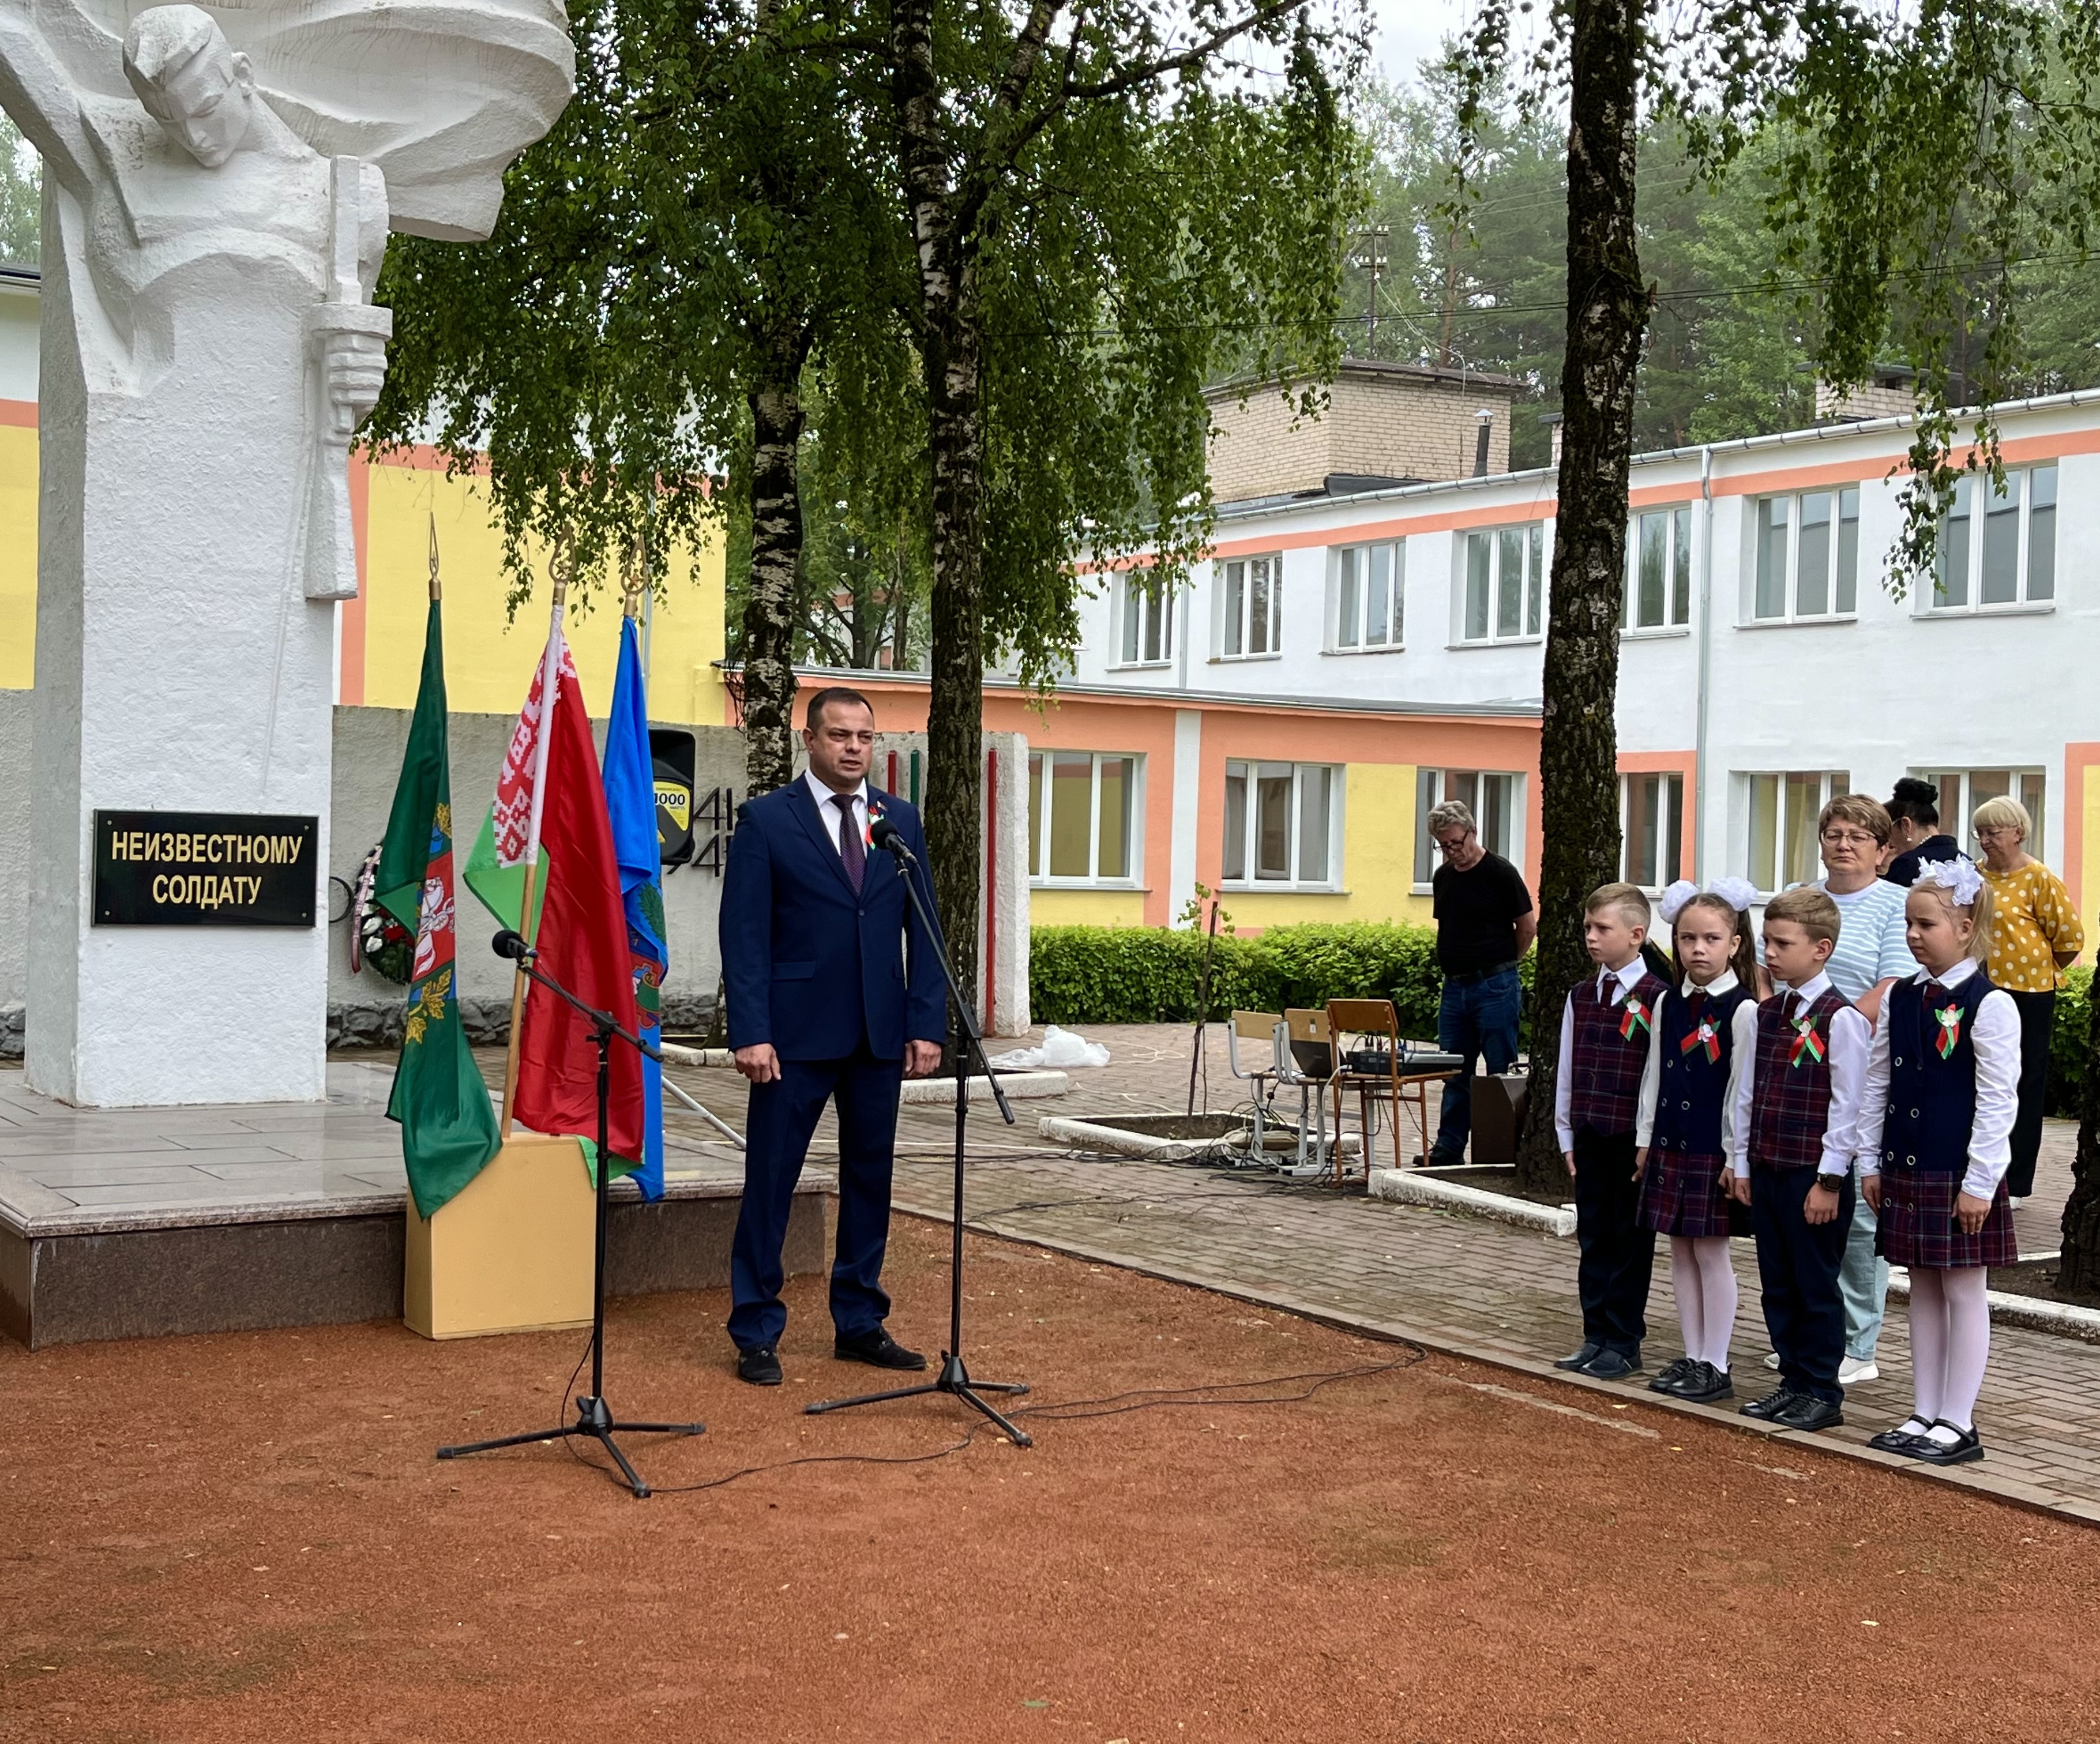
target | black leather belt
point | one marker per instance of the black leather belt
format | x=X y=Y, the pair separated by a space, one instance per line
x=1465 y=978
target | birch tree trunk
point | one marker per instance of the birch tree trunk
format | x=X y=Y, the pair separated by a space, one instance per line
x=1578 y=739
x=776 y=558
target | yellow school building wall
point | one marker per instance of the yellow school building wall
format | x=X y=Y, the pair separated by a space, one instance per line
x=1378 y=860
x=1049 y=907
x=489 y=655
x=18 y=557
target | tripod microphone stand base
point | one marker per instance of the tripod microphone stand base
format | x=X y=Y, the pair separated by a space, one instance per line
x=954 y=1379
x=595 y=1418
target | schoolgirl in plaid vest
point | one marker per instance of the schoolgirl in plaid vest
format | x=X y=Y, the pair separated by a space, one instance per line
x=1606 y=1033
x=1795 y=1115
x=1705 y=1032
x=1935 y=1141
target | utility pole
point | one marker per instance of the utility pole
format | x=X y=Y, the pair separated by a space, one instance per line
x=1373 y=262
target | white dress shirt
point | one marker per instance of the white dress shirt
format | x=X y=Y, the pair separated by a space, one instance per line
x=1621 y=981
x=829 y=812
x=1995 y=1032
x=1850 y=1042
x=1742 y=1043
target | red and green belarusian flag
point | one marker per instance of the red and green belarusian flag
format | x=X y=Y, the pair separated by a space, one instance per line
x=448 y=1129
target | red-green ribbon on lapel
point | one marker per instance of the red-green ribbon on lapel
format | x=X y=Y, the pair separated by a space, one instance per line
x=1703 y=1036
x=1950 y=1028
x=1636 y=1016
x=1806 y=1045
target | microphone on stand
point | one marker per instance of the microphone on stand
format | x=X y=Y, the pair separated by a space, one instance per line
x=886 y=836
x=515 y=946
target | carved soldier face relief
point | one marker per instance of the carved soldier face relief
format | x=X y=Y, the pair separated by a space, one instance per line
x=191 y=81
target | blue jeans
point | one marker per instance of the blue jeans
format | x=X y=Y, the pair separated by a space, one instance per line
x=1477 y=1020
x=1863 y=1281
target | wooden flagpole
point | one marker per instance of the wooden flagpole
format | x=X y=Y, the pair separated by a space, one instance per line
x=558 y=570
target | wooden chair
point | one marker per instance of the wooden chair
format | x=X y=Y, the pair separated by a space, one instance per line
x=1374 y=1023
x=1261 y=1029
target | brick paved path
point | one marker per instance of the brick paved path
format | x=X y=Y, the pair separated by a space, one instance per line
x=1461 y=1284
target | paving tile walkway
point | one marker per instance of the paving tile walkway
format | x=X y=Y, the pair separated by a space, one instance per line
x=1461 y=1284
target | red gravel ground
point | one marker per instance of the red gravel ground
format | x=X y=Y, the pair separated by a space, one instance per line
x=245 y=1537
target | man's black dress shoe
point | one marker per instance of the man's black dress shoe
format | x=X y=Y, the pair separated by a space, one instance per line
x=1613 y=1365
x=878 y=1349
x=1768 y=1408
x=1809 y=1412
x=1582 y=1359
x=760 y=1364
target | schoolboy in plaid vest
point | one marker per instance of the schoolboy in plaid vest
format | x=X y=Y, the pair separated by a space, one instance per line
x=1607 y=1029
x=1795 y=1119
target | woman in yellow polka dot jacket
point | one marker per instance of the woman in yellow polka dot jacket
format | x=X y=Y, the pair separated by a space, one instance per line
x=2035 y=933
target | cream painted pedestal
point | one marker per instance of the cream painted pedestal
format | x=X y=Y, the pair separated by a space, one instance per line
x=512 y=1253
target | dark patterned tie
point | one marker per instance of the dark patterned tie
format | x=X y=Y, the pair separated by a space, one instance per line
x=1695 y=1004
x=1934 y=992
x=1788 y=1006
x=851 y=851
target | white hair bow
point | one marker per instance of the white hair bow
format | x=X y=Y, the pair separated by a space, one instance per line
x=1957 y=877
x=1737 y=893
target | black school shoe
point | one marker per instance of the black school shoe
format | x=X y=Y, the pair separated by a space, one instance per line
x=1704 y=1385
x=1613 y=1365
x=1969 y=1447
x=1768 y=1408
x=1672 y=1375
x=1895 y=1440
x=760 y=1366
x=1808 y=1413
x=1582 y=1359
x=878 y=1349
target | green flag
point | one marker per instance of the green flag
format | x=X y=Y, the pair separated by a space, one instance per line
x=448 y=1130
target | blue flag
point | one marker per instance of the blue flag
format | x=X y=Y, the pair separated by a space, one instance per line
x=630 y=800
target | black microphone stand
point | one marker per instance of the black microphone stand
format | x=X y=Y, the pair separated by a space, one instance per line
x=594 y=1417
x=954 y=1379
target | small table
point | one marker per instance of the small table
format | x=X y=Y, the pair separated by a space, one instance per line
x=1411 y=1073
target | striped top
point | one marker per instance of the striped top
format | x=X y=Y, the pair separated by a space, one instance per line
x=1870 y=939
x=2031 y=919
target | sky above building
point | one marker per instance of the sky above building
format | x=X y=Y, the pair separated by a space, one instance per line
x=1410 y=31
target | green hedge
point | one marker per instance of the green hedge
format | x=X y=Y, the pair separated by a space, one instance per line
x=1137 y=974
x=1078 y=975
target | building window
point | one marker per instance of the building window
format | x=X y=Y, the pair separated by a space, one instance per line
x=1783 y=809
x=1658 y=570
x=1807 y=560
x=1490 y=796
x=2010 y=560
x=1250 y=607
x=1145 y=621
x=1961 y=790
x=1504 y=584
x=1082 y=817
x=1281 y=822
x=1370 y=583
x=1651 y=830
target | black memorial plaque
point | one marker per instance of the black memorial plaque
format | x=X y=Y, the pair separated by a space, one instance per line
x=204 y=868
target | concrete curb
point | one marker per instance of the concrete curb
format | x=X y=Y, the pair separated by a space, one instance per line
x=1088 y=1135
x=1406 y=1187
x=2032 y=1313
x=1019 y=1087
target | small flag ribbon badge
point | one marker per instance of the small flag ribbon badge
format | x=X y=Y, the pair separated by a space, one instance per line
x=1636 y=1017
x=1950 y=1028
x=1703 y=1037
x=1807 y=1044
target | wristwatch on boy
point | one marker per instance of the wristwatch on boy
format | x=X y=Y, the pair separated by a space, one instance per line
x=1829 y=1182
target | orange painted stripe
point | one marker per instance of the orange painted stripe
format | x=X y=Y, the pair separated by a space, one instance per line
x=351 y=677
x=2079 y=755
x=18 y=414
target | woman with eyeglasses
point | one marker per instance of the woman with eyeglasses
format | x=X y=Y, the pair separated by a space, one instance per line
x=2035 y=934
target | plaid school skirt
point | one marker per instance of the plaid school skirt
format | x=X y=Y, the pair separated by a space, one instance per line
x=1680 y=1195
x=1917 y=1225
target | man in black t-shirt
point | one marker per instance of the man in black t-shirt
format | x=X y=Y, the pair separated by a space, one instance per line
x=1484 y=923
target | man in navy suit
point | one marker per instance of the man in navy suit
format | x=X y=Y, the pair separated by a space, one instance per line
x=813 y=925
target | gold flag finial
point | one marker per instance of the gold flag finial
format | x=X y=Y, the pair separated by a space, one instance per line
x=636 y=581
x=560 y=567
x=436 y=592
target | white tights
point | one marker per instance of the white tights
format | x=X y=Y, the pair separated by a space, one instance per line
x=1704 y=1285
x=1950 y=1341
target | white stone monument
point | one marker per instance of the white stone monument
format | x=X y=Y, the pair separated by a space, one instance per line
x=218 y=187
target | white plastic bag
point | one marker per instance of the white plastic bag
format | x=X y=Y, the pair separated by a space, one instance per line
x=1060 y=1049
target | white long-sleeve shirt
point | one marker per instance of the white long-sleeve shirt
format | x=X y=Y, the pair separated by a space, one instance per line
x=1850 y=1042
x=1743 y=1042
x=1622 y=981
x=1995 y=1032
